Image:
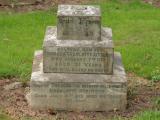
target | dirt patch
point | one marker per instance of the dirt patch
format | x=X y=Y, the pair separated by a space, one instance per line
x=31 y=5
x=140 y=97
x=153 y=2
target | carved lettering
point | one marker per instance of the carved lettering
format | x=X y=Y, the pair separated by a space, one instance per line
x=78 y=60
x=79 y=91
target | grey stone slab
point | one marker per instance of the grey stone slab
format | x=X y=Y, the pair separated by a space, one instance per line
x=79 y=10
x=79 y=22
x=38 y=74
x=76 y=56
x=78 y=96
x=50 y=39
x=77 y=92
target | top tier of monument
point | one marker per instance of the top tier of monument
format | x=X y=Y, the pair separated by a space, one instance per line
x=79 y=22
x=78 y=10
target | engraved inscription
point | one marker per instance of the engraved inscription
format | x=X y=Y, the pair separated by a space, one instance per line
x=79 y=91
x=78 y=60
x=82 y=22
x=79 y=28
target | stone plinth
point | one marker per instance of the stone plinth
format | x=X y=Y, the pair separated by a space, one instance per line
x=78 y=92
x=76 y=56
x=79 y=22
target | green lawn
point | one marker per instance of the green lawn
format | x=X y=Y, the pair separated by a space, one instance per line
x=148 y=115
x=4 y=116
x=136 y=34
x=20 y=36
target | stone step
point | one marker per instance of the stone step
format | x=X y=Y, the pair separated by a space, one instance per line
x=77 y=92
x=75 y=56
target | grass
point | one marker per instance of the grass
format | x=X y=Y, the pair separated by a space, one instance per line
x=3 y=116
x=20 y=36
x=136 y=31
x=148 y=115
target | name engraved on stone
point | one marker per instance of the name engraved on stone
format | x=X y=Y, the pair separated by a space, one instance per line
x=78 y=60
x=78 y=25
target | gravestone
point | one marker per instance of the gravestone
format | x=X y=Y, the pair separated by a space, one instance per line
x=78 y=70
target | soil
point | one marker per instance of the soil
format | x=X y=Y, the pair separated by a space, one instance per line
x=141 y=93
x=153 y=2
x=31 y=5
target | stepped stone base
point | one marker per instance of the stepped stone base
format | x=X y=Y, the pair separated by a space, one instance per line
x=78 y=92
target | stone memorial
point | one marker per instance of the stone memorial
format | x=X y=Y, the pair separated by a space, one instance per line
x=78 y=69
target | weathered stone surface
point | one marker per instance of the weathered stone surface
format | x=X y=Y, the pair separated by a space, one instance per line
x=68 y=56
x=79 y=22
x=77 y=92
x=78 y=10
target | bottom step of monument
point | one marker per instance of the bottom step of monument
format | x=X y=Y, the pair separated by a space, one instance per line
x=77 y=92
